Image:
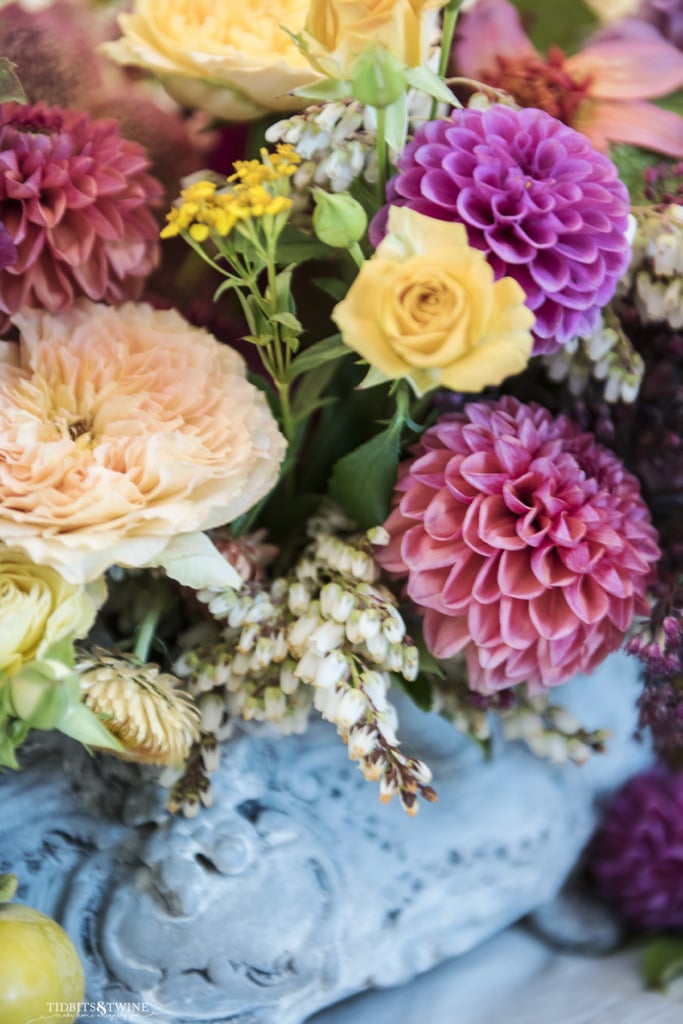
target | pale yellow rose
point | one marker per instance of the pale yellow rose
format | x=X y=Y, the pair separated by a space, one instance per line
x=612 y=10
x=426 y=307
x=38 y=608
x=338 y=31
x=232 y=59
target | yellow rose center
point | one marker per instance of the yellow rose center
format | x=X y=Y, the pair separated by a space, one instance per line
x=430 y=313
x=214 y=26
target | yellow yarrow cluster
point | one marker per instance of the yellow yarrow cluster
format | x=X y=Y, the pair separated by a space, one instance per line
x=255 y=190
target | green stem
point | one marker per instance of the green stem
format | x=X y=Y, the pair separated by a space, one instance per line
x=356 y=254
x=382 y=155
x=147 y=628
x=450 y=17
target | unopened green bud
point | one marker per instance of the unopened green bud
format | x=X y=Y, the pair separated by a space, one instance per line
x=39 y=701
x=378 y=78
x=338 y=219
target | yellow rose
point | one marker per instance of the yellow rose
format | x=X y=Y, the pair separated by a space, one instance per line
x=339 y=31
x=426 y=307
x=612 y=10
x=39 y=608
x=230 y=58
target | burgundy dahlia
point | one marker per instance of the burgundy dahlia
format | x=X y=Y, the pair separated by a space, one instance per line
x=75 y=198
x=525 y=543
x=533 y=194
x=636 y=857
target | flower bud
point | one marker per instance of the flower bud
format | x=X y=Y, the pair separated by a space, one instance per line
x=339 y=220
x=378 y=78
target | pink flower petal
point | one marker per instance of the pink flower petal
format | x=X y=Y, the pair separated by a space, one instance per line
x=491 y=29
x=629 y=69
x=638 y=124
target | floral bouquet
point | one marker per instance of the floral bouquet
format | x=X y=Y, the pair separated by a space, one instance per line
x=342 y=353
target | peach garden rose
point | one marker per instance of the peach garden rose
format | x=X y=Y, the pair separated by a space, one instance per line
x=121 y=431
x=426 y=307
x=230 y=59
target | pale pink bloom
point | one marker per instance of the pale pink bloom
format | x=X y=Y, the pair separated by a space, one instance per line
x=601 y=91
x=525 y=544
x=120 y=429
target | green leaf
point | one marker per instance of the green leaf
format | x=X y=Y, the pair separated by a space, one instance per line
x=362 y=482
x=295 y=246
x=8 y=887
x=396 y=125
x=419 y=690
x=82 y=724
x=289 y=321
x=428 y=81
x=307 y=396
x=61 y=651
x=324 y=351
x=372 y=378
x=632 y=164
x=11 y=90
x=566 y=25
x=327 y=90
x=663 y=962
x=192 y=559
x=332 y=286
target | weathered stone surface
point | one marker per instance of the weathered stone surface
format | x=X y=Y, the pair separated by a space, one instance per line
x=298 y=888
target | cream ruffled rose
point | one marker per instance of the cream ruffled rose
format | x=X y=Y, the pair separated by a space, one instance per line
x=38 y=608
x=123 y=431
x=338 y=31
x=426 y=308
x=229 y=58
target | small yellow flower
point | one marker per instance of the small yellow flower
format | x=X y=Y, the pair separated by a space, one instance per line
x=426 y=308
x=154 y=720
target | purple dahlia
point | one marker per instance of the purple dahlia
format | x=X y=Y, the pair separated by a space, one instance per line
x=75 y=199
x=525 y=544
x=533 y=194
x=636 y=857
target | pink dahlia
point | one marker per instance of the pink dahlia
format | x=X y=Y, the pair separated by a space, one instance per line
x=546 y=208
x=75 y=199
x=636 y=857
x=525 y=543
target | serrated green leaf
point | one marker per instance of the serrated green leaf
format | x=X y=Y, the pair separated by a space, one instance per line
x=11 y=90
x=362 y=482
x=324 y=351
x=663 y=961
x=428 y=81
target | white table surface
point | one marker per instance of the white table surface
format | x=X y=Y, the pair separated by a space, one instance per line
x=514 y=978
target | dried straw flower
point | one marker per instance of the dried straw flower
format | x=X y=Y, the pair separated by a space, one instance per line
x=154 y=720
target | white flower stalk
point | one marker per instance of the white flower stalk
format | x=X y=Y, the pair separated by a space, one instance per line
x=606 y=355
x=330 y=636
x=656 y=271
